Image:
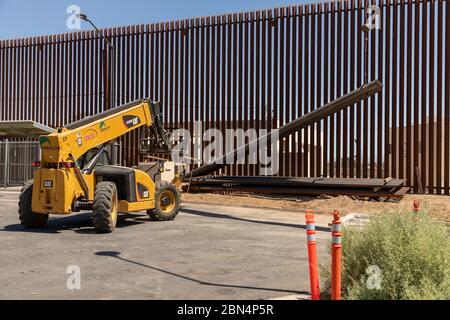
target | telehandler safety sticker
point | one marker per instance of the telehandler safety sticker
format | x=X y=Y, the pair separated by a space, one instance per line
x=79 y=139
x=89 y=137
x=43 y=140
x=103 y=126
x=46 y=145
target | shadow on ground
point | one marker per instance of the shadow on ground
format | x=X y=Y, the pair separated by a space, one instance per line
x=273 y=223
x=115 y=254
x=79 y=223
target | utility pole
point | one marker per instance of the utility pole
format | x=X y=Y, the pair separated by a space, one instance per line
x=366 y=28
x=108 y=58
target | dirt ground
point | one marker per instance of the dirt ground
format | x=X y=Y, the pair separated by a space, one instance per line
x=437 y=206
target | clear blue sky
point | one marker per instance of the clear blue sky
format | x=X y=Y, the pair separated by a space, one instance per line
x=39 y=17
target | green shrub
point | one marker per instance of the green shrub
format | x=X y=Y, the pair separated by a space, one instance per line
x=411 y=251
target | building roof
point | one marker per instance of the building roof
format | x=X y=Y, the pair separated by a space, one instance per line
x=23 y=129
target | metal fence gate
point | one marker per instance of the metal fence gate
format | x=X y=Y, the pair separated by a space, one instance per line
x=262 y=69
x=16 y=159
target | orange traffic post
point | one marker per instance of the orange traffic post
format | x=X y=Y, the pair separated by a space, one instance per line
x=336 y=256
x=312 y=255
x=416 y=206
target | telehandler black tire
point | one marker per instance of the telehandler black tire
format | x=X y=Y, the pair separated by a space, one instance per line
x=167 y=202
x=28 y=218
x=105 y=207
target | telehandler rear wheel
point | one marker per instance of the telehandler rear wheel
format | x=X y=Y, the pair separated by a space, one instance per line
x=28 y=218
x=105 y=207
x=167 y=202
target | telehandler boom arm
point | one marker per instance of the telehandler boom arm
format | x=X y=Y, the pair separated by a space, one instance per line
x=72 y=141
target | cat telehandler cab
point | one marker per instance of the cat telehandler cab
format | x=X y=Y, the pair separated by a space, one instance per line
x=75 y=171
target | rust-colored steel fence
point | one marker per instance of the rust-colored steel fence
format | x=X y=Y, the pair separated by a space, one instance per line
x=260 y=70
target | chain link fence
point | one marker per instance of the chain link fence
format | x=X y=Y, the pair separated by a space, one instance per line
x=16 y=161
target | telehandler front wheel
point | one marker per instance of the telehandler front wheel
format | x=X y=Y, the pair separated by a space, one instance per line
x=167 y=202
x=105 y=207
x=28 y=218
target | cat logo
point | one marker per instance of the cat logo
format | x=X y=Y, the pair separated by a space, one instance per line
x=48 y=183
x=131 y=121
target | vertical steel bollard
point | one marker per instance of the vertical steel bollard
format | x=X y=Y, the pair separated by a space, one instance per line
x=312 y=255
x=336 y=256
x=6 y=169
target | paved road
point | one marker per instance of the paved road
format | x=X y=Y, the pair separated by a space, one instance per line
x=208 y=252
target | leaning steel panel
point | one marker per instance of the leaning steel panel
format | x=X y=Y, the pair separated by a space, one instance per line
x=326 y=110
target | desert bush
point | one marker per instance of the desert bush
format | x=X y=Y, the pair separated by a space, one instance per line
x=411 y=251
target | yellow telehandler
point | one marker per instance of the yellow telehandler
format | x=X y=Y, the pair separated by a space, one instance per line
x=75 y=172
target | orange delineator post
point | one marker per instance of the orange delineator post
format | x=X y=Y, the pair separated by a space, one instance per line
x=312 y=255
x=416 y=205
x=336 y=256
